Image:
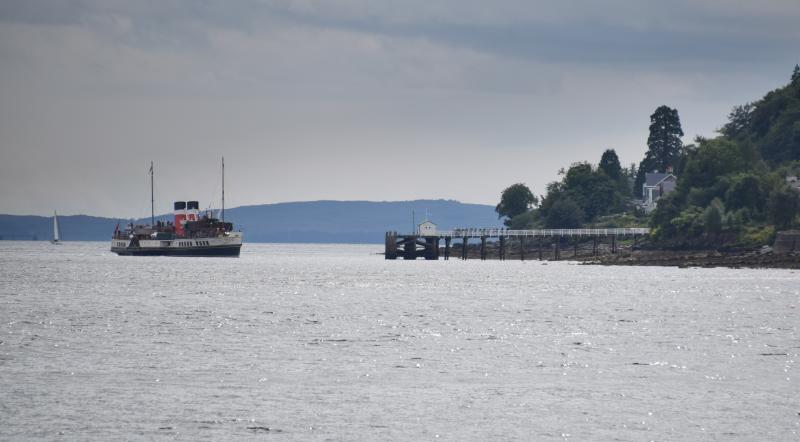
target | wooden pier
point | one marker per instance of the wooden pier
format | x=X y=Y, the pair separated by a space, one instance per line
x=413 y=246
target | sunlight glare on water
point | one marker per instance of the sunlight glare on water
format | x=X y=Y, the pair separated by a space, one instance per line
x=332 y=341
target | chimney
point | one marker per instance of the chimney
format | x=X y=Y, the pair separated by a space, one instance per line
x=180 y=216
x=192 y=211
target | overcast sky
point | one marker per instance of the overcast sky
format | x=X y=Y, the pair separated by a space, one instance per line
x=356 y=99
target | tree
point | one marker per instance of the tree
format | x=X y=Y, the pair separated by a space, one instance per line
x=515 y=200
x=712 y=218
x=609 y=163
x=732 y=188
x=782 y=207
x=564 y=214
x=715 y=158
x=738 y=120
x=664 y=142
x=593 y=191
x=664 y=145
x=745 y=193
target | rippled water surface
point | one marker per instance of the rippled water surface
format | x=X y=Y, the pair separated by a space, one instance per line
x=332 y=342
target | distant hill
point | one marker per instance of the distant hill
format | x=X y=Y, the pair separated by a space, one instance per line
x=302 y=222
x=73 y=228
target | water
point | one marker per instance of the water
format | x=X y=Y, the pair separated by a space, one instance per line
x=319 y=342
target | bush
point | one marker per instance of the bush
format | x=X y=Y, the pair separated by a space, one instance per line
x=712 y=218
x=782 y=207
x=528 y=220
x=756 y=236
x=564 y=214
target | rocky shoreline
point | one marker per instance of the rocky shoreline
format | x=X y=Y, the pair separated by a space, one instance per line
x=761 y=258
x=764 y=257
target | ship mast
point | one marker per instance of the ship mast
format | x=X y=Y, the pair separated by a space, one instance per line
x=152 y=198
x=223 y=189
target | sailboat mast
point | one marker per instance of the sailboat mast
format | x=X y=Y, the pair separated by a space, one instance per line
x=56 y=235
x=152 y=198
x=223 y=189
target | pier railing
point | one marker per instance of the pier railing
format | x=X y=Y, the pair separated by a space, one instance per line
x=496 y=233
x=426 y=244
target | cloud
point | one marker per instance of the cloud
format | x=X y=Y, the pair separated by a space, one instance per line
x=323 y=99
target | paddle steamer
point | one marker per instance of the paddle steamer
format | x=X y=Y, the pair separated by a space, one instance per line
x=189 y=234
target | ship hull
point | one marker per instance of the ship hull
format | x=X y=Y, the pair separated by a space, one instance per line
x=227 y=245
x=214 y=251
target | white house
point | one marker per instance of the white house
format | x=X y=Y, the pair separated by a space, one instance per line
x=426 y=228
x=656 y=184
x=793 y=182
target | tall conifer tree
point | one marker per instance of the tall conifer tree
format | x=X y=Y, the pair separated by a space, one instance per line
x=609 y=163
x=664 y=145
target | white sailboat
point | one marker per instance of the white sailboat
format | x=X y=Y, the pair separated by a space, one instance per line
x=56 y=231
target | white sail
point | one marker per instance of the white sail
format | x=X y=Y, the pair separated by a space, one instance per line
x=56 y=230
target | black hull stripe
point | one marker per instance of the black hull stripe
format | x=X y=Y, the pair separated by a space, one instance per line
x=193 y=251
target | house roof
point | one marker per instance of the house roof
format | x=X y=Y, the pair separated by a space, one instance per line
x=655 y=178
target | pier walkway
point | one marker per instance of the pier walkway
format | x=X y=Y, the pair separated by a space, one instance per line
x=413 y=246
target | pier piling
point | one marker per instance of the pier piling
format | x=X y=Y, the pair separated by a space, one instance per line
x=540 y=248
x=557 y=253
x=410 y=247
x=391 y=245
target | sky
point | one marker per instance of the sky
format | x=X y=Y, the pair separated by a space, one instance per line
x=356 y=99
